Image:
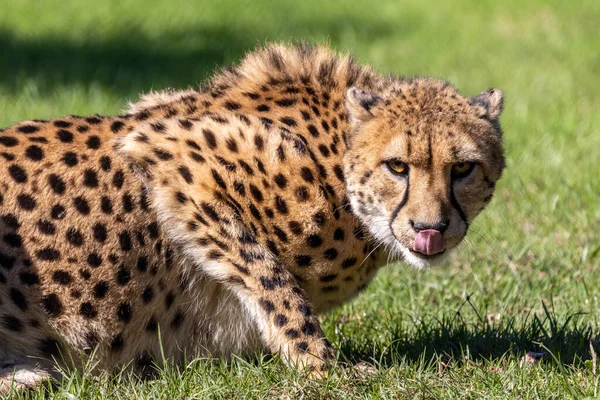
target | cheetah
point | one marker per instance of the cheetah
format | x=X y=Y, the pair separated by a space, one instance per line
x=223 y=220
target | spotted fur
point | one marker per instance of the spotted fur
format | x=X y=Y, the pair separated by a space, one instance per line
x=228 y=217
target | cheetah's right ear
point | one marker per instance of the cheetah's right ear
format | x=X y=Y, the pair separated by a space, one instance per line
x=361 y=104
x=489 y=103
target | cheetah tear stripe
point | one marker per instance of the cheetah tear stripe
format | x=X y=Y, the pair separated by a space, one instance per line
x=429 y=242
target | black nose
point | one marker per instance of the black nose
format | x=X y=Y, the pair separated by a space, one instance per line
x=438 y=226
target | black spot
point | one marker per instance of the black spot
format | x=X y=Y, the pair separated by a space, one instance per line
x=29 y=278
x=123 y=276
x=118 y=179
x=218 y=179
x=93 y=142
x=94 y=120
x=147 y=295
x=303 y=260
x=210 y=211
x=295 y=227
x=70 y=159
x=116 y=126
x=100 y=289
x=259 y=142
x=18 y=298
x=124 y=312
x=232 y=105
x=330 y=254
x=61 y=277
x=52 y=305
x=288 y=121
x=8 y=141
x=81 y=205
x=313 y=130
x=280 y=181
x=267 y=305
x=324 y=150
x=56 y=183
x=256 y=193
x=348 y=262
x=163 y=154
x=48 y=254
x=74 y=237
x=152 y=325
x=106 y=205
x=153 y=230
x=285 y=102
x=26 y=202
x=177 y=319
x=62 y=124
x=319 y=218
x=210 y=138
x=302 y=347
x=263 y=108
x=186 y=174
x=49 y=347
x=307 y=174
x=90 y=178
x=12 y=323
x=13 y=240
x=58 y=212
x=314 y=240
x=11 y=221
x=339 y=173
x=125 y=241
x=280 y=320
x=302 y=193
x=117 y=343
x=28 y=129
x=94 y=260
x=85 y=274
x=100 y=233
x=281 y=205
x=64 y=136
x=34 y=153
x=292 y=333
x=46 y=227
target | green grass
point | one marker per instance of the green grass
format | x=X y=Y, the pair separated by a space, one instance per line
x=527 y=280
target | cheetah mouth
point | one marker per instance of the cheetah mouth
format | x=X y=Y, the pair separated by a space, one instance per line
x=427 y=256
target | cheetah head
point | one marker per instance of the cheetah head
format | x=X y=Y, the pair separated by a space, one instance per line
x=421 y=164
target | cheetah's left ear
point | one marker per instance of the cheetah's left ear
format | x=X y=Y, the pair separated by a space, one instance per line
x=361 y=104
x=490 y=103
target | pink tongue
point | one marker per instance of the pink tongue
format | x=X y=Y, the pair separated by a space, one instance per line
x=429 y=241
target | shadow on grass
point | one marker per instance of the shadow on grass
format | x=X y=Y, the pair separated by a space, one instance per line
x=127 y=65
x=454 y=339
x=130 y=62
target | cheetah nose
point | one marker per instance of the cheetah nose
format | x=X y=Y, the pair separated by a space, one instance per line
x=429 y=241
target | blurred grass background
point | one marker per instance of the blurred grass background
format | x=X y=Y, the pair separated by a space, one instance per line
x=437 y=333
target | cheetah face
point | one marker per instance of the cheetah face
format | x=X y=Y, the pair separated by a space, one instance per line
x=421 y=164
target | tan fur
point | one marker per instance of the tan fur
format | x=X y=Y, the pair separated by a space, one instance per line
x=230 y=216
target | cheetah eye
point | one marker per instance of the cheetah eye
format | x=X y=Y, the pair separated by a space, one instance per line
x=462 y=169
x=397 y=167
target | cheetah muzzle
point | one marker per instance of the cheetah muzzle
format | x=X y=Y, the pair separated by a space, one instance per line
x=227 y=218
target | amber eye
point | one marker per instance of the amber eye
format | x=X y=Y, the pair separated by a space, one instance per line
x=397 y=166
x=462 y=169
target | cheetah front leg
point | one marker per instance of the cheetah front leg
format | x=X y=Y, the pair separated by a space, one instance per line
x=279 y=306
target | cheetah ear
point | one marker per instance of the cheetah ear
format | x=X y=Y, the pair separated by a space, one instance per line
x=361 y=104
x=490 y=103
